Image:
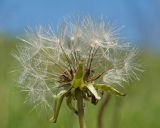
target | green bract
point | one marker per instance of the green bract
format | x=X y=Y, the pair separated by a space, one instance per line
x=89 y=91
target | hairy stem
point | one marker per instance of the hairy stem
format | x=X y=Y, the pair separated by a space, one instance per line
x=79 y=97
x=101 y=111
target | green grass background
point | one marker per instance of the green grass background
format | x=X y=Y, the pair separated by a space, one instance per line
x=139 y=109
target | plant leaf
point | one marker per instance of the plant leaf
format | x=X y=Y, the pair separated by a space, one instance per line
x=70 y=105
x=104 y=87
x=78 y=78
x=93 y=91
x=57 y=105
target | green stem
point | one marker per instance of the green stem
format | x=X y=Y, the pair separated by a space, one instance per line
x=79 y=97
x=101 y=111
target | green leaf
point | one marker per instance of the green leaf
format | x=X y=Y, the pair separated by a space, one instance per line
x=107 y=88
x=78 y=78
x=57 y=105
x=70 y=105
x=93 y=91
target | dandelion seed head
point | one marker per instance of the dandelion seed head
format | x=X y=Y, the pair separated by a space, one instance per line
x=50 y=58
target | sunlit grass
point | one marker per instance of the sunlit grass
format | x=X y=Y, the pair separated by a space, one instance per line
x=140 y=108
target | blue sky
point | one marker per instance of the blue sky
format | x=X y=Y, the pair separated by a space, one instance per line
x=140 y=18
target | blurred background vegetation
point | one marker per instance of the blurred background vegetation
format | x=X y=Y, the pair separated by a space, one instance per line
x=139 y=109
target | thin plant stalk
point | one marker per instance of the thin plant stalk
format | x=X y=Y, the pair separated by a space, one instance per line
x=101 y=111
x=116 y=113
x=79 y=96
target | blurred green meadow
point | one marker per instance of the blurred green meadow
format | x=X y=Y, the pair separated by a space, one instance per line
x=139 y=109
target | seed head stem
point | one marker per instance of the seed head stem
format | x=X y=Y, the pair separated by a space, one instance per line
x=79 y=97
